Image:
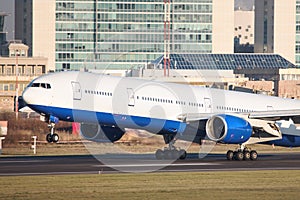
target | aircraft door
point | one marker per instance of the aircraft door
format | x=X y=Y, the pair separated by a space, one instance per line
x=131 y=100
x=76 y=91
x=207 y=105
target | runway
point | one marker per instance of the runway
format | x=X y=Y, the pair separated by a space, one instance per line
x=107 y=164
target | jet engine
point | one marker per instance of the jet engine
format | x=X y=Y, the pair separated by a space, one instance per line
x=228 y=129
x=97 y=133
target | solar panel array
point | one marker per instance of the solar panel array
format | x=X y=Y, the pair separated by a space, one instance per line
x=226 y=61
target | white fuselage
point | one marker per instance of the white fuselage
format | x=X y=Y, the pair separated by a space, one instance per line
x=136 y=103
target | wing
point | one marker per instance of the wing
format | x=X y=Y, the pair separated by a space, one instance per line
x=266 y=125
x=272 y=115
x=276 y=115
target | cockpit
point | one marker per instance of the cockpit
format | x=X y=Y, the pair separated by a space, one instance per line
x=41 y=85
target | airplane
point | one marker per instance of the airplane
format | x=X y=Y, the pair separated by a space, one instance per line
x=105 y=106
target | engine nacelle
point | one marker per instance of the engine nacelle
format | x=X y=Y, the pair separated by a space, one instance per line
x=97 y=133
x=228 y=129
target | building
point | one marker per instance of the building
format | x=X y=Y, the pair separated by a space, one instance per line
x=244 y=31
x=244 y=26
x=277 y=28
x=225 y=70
x=122 y=34
x=16 y=72
x=2 y=34
x=35 y=27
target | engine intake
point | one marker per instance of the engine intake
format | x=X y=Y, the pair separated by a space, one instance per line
x=228 y=129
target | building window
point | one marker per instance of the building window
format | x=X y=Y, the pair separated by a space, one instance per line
x=38 y=71
x=28 y=71
x=12 y=87
x=23 y=53
x=12 y=53
x=8 y=71
x=66 y=65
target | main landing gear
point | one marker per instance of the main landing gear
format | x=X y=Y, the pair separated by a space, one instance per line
x=170 y=152
x=242 y=153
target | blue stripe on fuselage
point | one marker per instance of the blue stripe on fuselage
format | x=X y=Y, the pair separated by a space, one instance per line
x=154 y=125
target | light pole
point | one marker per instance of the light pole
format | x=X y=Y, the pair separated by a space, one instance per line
x=17 y=85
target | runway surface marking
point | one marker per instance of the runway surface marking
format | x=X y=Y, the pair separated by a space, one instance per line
x=24 y=161
x=157 y=165
x=48 y=173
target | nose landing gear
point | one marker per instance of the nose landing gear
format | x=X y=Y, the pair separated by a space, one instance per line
x=52 y=136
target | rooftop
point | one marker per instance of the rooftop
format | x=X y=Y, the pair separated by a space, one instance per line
x=225 y=61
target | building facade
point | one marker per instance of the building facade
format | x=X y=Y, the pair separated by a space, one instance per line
x=122 y=34
x=277 y=28
x=35 y=27
x=244 y=26
x=16 y=71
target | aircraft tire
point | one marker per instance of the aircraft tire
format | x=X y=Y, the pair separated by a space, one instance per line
x=182 y=154
x=49 y=138
x=253 y=155
x=239 y=155
x=55 y=138
x=168 y=155
x=175 y=154
x=230 y=155
x=247 y=155
x=159 y=154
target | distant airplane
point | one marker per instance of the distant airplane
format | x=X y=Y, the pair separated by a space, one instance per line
x=105 y=106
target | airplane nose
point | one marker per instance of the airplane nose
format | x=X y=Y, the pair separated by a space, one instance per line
x=26 y=96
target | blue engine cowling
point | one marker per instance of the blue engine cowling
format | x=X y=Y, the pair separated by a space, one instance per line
x=228 y=129
x=97 y=133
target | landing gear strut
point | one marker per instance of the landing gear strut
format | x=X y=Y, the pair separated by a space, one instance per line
x=242 y=153
x=52 y=136
x=170 y=152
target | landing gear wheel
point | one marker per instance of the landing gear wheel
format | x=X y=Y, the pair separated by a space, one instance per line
x=168 y=155
x=55 y=138
x=170 y=152
x=239 y=155
x=253 y=155
x=49 y=138
x=175 y=154
x=229 y=155
x=242 y=153
x=52 y=138
x=182 y=154
x=159 y=154
x=247 y=155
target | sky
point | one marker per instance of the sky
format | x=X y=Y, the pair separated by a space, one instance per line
x=7 y=6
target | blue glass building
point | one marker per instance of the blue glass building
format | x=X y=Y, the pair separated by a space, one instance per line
x=119 y=34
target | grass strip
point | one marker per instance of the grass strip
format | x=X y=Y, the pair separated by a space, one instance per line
x=195 y=185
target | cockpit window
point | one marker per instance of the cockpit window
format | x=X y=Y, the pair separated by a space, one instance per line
x=42 y=85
